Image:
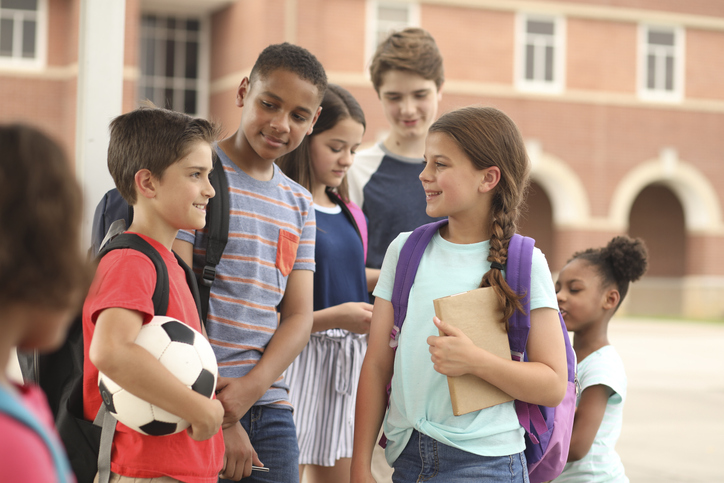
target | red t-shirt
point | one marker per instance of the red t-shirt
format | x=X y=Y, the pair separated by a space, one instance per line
x=24 y=456
x=126 y=279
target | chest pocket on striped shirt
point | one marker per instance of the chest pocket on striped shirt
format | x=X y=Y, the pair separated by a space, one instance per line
x=286 y=251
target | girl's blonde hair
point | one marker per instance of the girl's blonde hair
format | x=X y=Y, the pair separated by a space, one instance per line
x=490 y=138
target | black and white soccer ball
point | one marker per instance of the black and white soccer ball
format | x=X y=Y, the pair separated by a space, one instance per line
x=183 y=351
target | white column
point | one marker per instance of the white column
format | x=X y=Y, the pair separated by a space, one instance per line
x=100 y=96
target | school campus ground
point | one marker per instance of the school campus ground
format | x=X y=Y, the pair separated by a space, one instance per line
x=673 y=418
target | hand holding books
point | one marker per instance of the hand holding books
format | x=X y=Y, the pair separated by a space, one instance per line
x=477 y=315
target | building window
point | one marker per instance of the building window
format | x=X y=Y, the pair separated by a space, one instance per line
x=661 y=63
x=21 y=26
x=386 y=17
x=170 y=60
x=540 y=53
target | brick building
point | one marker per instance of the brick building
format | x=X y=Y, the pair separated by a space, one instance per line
x=621 y=102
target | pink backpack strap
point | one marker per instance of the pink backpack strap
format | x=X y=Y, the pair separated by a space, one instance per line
x=357 y=216
x=361 y=221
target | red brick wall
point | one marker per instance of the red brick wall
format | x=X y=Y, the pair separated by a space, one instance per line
x=704 y=64
x=600 y=55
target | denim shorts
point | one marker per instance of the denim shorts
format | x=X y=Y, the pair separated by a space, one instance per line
x=274 y=438
x=425 y=459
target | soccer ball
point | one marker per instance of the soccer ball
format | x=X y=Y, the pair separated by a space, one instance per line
x=184 y=352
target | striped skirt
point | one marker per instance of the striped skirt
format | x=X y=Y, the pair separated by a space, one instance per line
x=322 y=389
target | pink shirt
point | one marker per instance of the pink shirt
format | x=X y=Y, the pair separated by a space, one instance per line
x=24 y=457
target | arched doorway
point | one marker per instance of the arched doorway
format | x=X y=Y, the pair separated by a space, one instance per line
x=537 y=222
x=657 y=217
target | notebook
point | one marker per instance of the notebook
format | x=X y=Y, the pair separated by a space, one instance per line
x=478 y=314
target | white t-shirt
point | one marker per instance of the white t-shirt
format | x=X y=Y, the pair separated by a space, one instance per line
x=602 y=463
x=420 y=398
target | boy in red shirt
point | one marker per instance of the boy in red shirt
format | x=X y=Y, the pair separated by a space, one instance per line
x=160 y=161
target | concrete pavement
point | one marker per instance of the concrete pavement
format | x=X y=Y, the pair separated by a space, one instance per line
x=674 y=414
x=673 y=418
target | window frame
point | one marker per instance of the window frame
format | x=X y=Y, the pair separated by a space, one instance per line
x=40 y=59
x=372 y=24
x=203 y=61
x=678 y=50
x=557 y=85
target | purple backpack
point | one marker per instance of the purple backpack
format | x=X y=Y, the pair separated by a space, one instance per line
x=547 y=430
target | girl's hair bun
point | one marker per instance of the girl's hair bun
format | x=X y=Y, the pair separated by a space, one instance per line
x=627 y=258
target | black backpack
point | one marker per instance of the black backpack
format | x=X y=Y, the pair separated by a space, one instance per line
x=60 y=373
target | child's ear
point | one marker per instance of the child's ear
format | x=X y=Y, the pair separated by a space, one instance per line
x=439 y=92
x=242 y=92
x=489 y=179
x=314 y=121
x=611 y=299
x=145 y=184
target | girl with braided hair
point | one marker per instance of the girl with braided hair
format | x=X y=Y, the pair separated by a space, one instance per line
x=476 y=174
x=590 y=289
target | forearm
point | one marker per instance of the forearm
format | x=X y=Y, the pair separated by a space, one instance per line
x=137 y=371
x=291 y=336
x=370 y=409
x=372 y=393
x=326 y=319
x=373 y=274
x=532 y=382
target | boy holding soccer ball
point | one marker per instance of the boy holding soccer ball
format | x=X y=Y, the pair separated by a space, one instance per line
x=160 y=161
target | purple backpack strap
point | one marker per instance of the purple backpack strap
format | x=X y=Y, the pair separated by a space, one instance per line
x=407 y=264
x=410 y=256
x=547 y=430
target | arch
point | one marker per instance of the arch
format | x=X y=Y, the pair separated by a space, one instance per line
x=702 y=209
x=564 y=188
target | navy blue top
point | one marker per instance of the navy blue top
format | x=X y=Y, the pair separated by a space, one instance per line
x=340 y=273
x=394 y=202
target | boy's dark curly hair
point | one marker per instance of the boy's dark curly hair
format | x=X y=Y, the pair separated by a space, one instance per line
x=622 y=261
x=292 y=58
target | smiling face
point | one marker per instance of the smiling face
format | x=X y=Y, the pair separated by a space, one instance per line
x=333 y=152
x=409 y=102
x=278 y=111
x=184 y=189
x=453 y=187
x=581 y=298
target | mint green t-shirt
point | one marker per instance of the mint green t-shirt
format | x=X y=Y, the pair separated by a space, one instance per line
x=420 y=399
x=601 y=464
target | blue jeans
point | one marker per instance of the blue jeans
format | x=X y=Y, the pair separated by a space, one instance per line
x=425 y=459
x=274 y=438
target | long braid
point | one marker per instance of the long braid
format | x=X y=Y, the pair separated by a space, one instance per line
x=490 y=138
x=502 y=230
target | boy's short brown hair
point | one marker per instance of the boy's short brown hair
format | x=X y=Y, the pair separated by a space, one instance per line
x=152 y=138
x=412 y=50
x=41 y=209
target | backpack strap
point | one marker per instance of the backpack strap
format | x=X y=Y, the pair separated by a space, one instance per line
x=193 y=285
x=135 y=242
x=518 y=276
x=217 y=230
x=405 y=272
x=410 y=256
x=355 y=215
x=13 y=407
x=105 y=419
